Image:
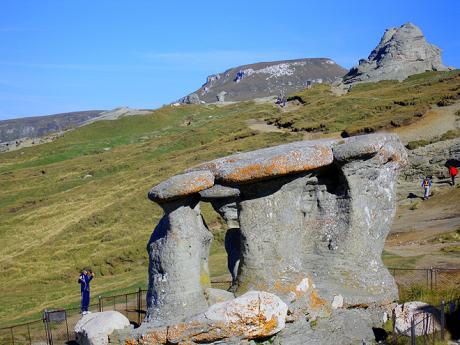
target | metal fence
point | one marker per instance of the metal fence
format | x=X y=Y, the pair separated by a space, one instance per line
x=56 y=327
x=433 y=278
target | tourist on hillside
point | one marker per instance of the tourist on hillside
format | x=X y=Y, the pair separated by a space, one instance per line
x=426 y=185
x=85 y=277
x=453 y=171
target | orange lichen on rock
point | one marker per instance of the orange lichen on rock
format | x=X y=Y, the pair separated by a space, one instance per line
x=316 y=302
x=182 y=185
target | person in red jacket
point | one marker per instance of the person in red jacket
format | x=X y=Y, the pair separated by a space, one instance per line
x=453 y=171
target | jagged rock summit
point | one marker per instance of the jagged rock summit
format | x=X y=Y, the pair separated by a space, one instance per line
x=401 y=52
x=265 y=79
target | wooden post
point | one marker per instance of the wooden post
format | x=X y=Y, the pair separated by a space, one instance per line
x=139 y=306
x=443 y=319
x=100 y=303
x=412 y=332
x=12 y=335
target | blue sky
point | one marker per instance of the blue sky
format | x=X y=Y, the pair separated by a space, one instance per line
x=67 y=55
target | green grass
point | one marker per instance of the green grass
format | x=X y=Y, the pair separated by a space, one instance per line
x=54 y=221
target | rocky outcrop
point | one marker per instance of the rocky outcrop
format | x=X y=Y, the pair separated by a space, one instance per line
x=95 y=328
x=307 y=222
x=266 y=79
x=432 y=160
x=401 y=52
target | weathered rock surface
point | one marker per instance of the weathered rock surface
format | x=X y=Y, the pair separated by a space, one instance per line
x=178 y=270
x=344 y=327
x=330 y=223
x=181 y=186
x=214 y=296
x=270 y=162
x=426 y=318
x=94 y=328
x=401 y=52
x=256 y=314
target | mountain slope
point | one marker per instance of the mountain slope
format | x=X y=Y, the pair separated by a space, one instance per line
x=266 y=79
x=38 y=126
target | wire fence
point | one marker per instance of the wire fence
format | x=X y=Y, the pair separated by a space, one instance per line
x=56 y=327
x=432 y=325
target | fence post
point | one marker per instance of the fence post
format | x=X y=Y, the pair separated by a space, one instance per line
x=431 y=278
x=100 y=303
x=412 y=332
x=12 y=335
x=443 y=319
x=139 y=296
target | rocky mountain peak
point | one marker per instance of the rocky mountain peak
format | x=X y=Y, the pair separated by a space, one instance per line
x=401 y=52
x=265 y=79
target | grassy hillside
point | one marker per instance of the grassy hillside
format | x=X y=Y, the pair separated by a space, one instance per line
x=371 y=106
x=81 y=200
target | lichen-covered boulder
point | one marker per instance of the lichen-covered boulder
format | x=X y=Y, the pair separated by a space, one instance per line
x=95 y=328
x=255 y=314
x=426 y=318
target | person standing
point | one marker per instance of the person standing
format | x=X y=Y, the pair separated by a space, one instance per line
x=426 y=185
x=85 y=277
x=453 y=171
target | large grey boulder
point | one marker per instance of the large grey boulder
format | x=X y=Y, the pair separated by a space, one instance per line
x=95 y=328
x=426 y=318
x=401 y=52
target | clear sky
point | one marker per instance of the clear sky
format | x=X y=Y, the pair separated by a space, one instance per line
x=67 y=55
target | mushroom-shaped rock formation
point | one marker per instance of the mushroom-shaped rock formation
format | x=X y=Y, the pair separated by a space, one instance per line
x=309 y=211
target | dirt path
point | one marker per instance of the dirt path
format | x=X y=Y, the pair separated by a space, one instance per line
x=417 y=229
x=436 y=122
x=261 y=126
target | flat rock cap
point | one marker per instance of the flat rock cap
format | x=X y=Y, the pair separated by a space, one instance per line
x=181 y=186
x=386 y=145
x=270 y=162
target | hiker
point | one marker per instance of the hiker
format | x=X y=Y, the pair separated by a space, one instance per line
x=426 y=184
x=453 y=171
x=85 y=277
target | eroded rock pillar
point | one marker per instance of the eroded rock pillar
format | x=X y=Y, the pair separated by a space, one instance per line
x=178 y=251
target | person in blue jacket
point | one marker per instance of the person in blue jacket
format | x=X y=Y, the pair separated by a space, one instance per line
x=426 y=185
x=85 y=277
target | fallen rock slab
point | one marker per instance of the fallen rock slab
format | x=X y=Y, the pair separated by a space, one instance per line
x=95 y=328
